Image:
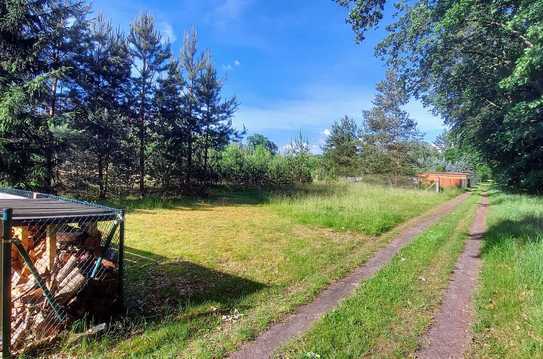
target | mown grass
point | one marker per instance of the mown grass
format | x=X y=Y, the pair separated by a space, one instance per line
x=359 y=207
x=510 y=299
x=388 y=314
x=205 y=275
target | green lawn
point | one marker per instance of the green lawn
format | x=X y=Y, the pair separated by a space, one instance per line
x=389 y=313
x=510 y=301
x=204 y=276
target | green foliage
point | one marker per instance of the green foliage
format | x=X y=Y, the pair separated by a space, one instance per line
x=509 y=301
x=388 y=133
x=85 y=108
x=480 y=65
x=342 y=148
x=258 y=139
x=39 y=43
x=258 y=166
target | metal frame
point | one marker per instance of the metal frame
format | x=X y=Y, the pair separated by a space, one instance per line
x=7 y=223
x=5 y=277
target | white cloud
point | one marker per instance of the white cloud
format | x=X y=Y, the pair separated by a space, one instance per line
x=168 y=32
x=232 y=9
x=315 y=109
x=230 y=67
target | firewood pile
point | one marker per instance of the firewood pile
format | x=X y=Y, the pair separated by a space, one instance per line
x=54 y=284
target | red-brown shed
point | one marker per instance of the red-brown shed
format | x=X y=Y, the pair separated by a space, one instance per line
x=446 y=179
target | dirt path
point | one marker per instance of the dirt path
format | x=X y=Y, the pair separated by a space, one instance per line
x=450 y=334
x=297 y=323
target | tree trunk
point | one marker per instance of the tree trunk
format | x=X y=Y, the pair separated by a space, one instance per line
x=142 y=158
x=188 y=175
x=101 y=193
x=49 y=153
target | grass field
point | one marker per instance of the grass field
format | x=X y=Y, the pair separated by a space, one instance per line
x=358 y=207
x=203 y=276
x=510 y=301
x=388 y=314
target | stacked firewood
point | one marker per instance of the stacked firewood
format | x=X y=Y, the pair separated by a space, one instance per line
x=81 y=281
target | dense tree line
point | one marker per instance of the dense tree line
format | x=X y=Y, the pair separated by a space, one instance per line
x=85 y=106
x=480 y=65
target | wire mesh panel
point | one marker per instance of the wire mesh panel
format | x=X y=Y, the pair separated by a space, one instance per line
x=64 y=267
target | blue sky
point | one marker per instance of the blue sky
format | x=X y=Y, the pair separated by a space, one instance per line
x=293 y=65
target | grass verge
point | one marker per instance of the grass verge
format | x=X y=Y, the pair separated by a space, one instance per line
x=388 y=313
x=510 y=299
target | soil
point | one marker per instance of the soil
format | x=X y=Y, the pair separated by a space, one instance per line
x=306 y=315
x=450 y=333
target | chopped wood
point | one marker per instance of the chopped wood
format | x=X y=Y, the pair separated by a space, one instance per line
x=68 y=291
x=66 y=269
x=63 y=258
x=70 y=237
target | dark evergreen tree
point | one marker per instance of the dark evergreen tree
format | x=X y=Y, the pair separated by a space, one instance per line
x=101 y=101
x=168 y=159
x=342 y=148
x=38 y=42
x=192 y=65
x=215 y=113
x=149 y=55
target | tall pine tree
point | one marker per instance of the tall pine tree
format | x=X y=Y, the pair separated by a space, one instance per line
x=149 y=55
x=215 y=113
x=388 y=132
x=192 y=65
x=101 y=99
x=171 y=127
x=38 y=41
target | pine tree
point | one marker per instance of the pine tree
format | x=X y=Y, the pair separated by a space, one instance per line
x=215 y=112
x=342 y=147
x=388 y=132
x=149 y=58
x=171 y=127
x=192 y=66
x=101 y=99
x=38 y=41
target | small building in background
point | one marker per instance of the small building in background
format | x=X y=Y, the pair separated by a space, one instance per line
x=445 y=179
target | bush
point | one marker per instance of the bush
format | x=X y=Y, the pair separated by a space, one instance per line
x=258 y=166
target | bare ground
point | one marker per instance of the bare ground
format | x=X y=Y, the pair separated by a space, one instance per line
x=450 y=333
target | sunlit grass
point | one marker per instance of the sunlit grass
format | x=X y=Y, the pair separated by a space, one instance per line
x=390 y=312
x=510 y=301
x=361 y=207
x=205 y=275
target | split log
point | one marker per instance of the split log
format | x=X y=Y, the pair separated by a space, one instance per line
x=66 y=269
x=70 y=286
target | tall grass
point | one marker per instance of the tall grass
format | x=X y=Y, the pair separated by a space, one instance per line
x=369 y=209
x=388 y=313
x=510 y=302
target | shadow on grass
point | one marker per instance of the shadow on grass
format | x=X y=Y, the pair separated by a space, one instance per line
x=158 y=285
x=161 y=292
x=220 y=196
x=527 y=229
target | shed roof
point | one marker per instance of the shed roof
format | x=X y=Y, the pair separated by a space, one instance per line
x=451 y=174
x=61 y=211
